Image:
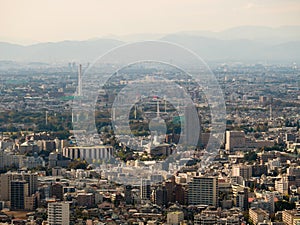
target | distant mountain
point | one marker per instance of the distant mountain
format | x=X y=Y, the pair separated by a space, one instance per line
x=255 y=33
x=59 y=51
x=238 y=50
x=246 y=44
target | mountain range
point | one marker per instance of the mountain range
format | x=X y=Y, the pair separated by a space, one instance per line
x=245 y=44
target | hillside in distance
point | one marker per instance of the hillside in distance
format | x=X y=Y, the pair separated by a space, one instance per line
x=245 y=44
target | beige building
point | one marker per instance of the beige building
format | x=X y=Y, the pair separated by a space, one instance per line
x=291 y=217
x=242 y=170
x=175 y=218
x=235 y=140
x=5 y=181
x=258 y=215
x=282 y=186
x=203 y=191
x=58 y=213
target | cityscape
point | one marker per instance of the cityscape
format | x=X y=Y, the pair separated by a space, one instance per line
x=98 y=139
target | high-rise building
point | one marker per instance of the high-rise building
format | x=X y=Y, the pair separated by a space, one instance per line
x=32 y=180
x=128 y=195
x=79 y=91
x=145 y=189
x=270 y=197
x=235 y=140
x=18 y=193
x=192 y=126
x=170 y=185
x=203 y=191
x=58 y=213
x=160 y=196
x=5 y=182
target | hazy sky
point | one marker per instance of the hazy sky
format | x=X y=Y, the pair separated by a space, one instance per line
x=30 y=21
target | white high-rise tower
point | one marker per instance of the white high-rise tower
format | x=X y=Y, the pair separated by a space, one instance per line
x=79 y=91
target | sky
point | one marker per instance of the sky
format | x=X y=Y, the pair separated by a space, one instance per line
x=32 y=21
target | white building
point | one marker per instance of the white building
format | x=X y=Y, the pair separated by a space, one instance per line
x=58 y=213
x=89 y=153
x=235 y=140
x=203 y=191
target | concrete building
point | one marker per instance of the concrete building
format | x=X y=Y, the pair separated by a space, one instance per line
x=145 y=189
x=205 y=219
x=291 y=217
x=192 y=126
x=86 y=199
x=240 y=194
x=58 y=213
x=282 y=186
x=18 y=193
x=175 y=218
x=160 y=196
x=270 y=199
x=91 y=154
x=5 y=182
x=203 y=191
x=128 y=194
x=242 y=170
x=258 y=215
x=234 y=140
x=57 y=191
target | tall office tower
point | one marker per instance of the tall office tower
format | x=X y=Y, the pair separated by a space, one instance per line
x=79 y=91
x=235 y=140
x=128 y=194
x=170 y=185
x=160 y=196
x=242 y=170
x=203 y=191
x=5 y=182
x=58 y=213
x=18 y=193
x=175 y=192
x=192 y=126
x=180 y=194
x=32 y=180
x=270 y=197
x=145 y=189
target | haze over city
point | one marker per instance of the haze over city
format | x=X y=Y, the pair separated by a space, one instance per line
x=33 y=21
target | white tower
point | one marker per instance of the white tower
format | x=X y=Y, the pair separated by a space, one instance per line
x=79 y=80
